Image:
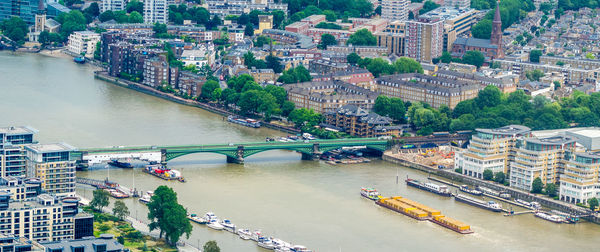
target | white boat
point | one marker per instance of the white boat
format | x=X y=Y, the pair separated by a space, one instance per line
x=244 y=234
x=145 y=199
x=256 y=235
x=214 y=224
x=550 y=217
x=281 y=245
x=227 y=225
x=266 y=243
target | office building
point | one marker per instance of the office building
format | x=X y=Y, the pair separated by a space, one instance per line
x=112 y=5
x=13 y=161
x=457 y=22
x=54 y=166
x=83 y=43
x=434 y=90
x=156 y=11
x=394 y=9
x=25 y=9
x=490 y=149
x=424 y=39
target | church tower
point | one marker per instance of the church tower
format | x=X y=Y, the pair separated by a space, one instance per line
x=40 y=17
x=496 y=37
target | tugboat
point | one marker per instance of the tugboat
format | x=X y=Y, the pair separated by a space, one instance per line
x=79 y=60
x=490 y=205
x=370 y=193
x=431 y=187
x=117 y=163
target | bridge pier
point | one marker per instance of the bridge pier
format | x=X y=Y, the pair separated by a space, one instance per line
x=316 y=154
x=239 y=159
x=163 y=157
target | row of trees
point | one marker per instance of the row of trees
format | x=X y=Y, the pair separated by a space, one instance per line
x=331 y=8
x=199 y=15
x=272 y=62
x=474 y=58
x=378 y=66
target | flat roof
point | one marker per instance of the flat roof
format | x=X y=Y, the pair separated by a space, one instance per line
x=554 y=140
x=17 y=130
x=593 y=133
x=507 y=130
x=52 y=147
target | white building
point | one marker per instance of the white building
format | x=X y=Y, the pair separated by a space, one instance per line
x=489 y=150
x=199 y=57
x=458 y=3
x=579 y=183
x=54 y=166
x=156 y=11
x=394 y=9
x=112 y=5
x=83 y=42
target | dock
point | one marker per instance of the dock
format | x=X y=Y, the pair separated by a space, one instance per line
x=518 y=213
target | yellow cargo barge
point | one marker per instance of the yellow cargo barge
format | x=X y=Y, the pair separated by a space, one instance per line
x=408 y=210
x=452 y=224
x=419 y=211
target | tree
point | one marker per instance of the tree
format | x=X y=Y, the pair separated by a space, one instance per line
x=100 y=199
x=428 y=6
x=327 y=40
x=167 y=215
x=534 y=75
x=537 y=185
x=211 y=246
x=446 y=57
x=305 y=116
x=482 y=30
x=159 y=28
x=490 y=96
x=330 y=15
x=352 y=58
x=499 y=177
x=408 y=65
x=14 y=28
x=534 y=55
x=120 y=210
x=249 y=30
x=93 y=10
x=135 y=17
x=208 y=88
x=135 y=5
x=262 y=40
x=475 y=58
x=287 y=107
x=278 y=92
x=550 y=190
x=106 y=16
x=362 y=37
x=488 y=174
x=593 y=203
x=273 y=62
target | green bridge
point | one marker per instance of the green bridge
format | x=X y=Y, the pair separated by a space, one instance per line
x=236 y=152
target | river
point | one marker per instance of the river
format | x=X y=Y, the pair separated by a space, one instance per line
x=304 y=202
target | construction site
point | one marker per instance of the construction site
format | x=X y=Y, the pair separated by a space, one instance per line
x=440 y=157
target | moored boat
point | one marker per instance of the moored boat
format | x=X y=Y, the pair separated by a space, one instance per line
x=227 y=225
x=145 y=199
x=244 y=234
x=299 y=248
x=465 y=188
x=214 y=224
x=431 y=187
x=266 y=243
x=244 y=121
x=197 y=219
x=370 y=193
x=550 y=217
x=489 y=205
x=256 y=235
x=79 y=60
x=117 y=163
x=452 y=224
x=401 y=207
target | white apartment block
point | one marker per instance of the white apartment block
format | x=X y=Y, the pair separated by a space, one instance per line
x=156 y=11
x=83 y=43
x=54 y=166
x=489 y=150
x=460 y=4
x=112 y=5
x=424 y=39
x=580 y=181
x=394 y=9
x=539 y=157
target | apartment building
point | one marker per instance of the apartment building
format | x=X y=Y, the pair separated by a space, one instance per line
x=355 y=76
x=506 y=85
x=328 y=96
x=394 y=9
x=157 y=72
x=326 y=66
x=424 y=39
x=490 y=149
x=539 y=157
x=112 y=5
x=83 y=43
x=586 y=64
x=357 y=121
x=458 y=3
x=435 y=90
x=21 y=188
x=573 y=76
x=190 y=83
x=580 y=181
x=156 y=11
x=54 y=166
x=457 y=21
x=13 y=161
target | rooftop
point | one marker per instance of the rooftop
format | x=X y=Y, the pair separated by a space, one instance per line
x=87 y=243
x=18 y=130
x=507 y=130
x=447 y=12
x=53 y=147
x=553 y=140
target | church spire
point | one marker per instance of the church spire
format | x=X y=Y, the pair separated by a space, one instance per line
x=496 y=36
x=41 y=7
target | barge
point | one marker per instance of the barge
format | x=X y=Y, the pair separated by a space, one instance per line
x=465 y=188
x=441 y=190
x=550 y=217
x=117 y=163
x=490 y=205
x=394 y=204
x=452 y=224
x=164 y=173
x=244 y=121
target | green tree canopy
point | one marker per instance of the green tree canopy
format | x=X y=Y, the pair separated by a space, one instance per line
x=488 y=174
x=534 y=56
x=14 y=28
x=550 y=189
x=475 y=58
x=211 y=246
x=327 y=40
x=593 y=203
x=120 y=210
x=537 y=185
x=499 y=177
x=482 y=30
x=362 y=37
x=99 y=200
x=167 y=215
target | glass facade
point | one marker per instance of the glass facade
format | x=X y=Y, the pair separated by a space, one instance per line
x=25 y=9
